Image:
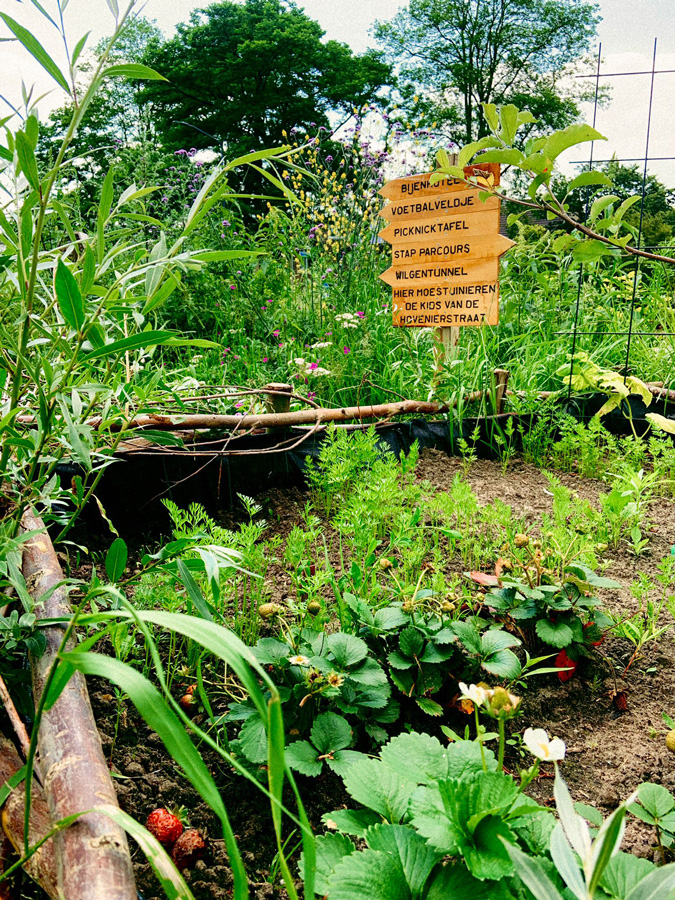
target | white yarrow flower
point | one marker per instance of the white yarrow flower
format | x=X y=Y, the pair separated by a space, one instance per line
x=540 y=745
x=477 y=695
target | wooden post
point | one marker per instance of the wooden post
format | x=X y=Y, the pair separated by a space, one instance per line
x=278 y=400
x=501 y=380
x=447 y=346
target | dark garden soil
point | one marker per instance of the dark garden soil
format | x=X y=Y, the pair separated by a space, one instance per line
x=609 y=751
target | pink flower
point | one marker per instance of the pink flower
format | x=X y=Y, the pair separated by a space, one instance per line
x=265 y=359
x=269 y=301
x=276 y=333
x=346 y=350
x=281 y=345
x=239 y=404
x=233 y=287
x=311 y=395
x=313 y=366
x=329 y=333
x=226 y=349
x=360 y=314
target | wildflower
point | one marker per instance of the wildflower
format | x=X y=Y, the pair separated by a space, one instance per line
x=346 y=350
x=538 y=743
x=321 y=344
x=233 y=287
x=476 y=694
x=265 y=359
x=360 y=314
x=298 y=660
x=335 y=680
x=299 y=361
x=226 y=349
x=239 y=404
x=311 y=395
x=276 y=332
x=313 y=366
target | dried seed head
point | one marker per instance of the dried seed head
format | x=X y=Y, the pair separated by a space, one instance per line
x=314 y=608
x=521 y=540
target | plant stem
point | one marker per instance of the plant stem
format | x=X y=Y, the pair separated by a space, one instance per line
x=479 y=735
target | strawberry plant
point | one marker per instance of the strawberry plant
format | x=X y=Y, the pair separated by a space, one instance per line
x=562 y=614
x=330 y=738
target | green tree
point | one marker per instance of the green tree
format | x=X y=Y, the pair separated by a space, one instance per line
x=658 y=222
x=245 y=73
x=453 y=55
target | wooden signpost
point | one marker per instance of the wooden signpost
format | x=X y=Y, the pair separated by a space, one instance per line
x=445 y=253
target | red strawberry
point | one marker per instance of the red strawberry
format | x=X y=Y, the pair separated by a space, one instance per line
x=188 y=849
x=166 y=827
x=562 y=661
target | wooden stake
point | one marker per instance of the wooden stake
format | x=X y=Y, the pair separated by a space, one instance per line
x=501 y=380
x=447 y=347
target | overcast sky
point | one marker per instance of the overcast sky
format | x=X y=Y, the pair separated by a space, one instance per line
x=627 y=33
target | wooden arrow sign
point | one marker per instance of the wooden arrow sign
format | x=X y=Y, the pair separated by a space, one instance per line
x=483 y=246
x=442 y=228
x=450 y=311
x=421 y=186
x=448 y=203
x=455 y=273
x=445 y=251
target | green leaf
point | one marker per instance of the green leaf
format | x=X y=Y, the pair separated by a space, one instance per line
x=253 y=741
x=656 y=885
x=623 y=873
x=575 y=828
x=330 y=849
x=657 y=800
x=532 y=873
x=351 y=821
x=104 y=207
x=303 y=758
x=556 y=634
x=566 y=863
x=416 y=757
x=497 y=639
x=590 y=250
x=330 y=732
x=346 y=648
x=68 y=296
x=194 y=592
x=506 y=157
x=453 y=881
x=586 y=179
x=486 y=855
x=133 y=70
x=26 y=156
x=503 y=664
x=377 y=787
x=370 y=874
x=148 y=338
x=36 y=50
x=508 y=118
x=464 y=759
x=600 y=205
x=410 y=642
x=416 y=857
x=116 y=560
x=560 y=141
x=429 y=706
x=79 y=47
x=341 y=760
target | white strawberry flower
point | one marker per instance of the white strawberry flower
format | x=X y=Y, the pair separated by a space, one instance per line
x=477 y=695
x=298 y=660
x=540 y=745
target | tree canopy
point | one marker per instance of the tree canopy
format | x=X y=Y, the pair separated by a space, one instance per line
x=453 y=55
x=243 y=73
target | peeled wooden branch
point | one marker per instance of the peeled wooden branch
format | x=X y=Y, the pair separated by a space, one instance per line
x=41 y=867
x=288 y=419
x=93 y=861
